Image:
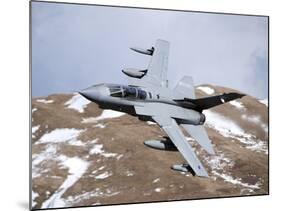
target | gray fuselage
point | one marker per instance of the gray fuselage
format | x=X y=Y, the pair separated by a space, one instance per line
x=125 y=98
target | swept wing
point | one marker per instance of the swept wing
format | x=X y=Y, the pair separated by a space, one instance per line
x=156 y=74
x=174 y=132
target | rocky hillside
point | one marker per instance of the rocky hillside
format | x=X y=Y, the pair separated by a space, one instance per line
x=83 y=156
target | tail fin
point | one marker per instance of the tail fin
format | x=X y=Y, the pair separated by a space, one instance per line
x=209 y=102
x=185 y=88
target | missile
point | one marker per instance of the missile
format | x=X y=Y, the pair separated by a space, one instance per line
x=143 y=51
x=161 y=145
x=180 y=167
x=183 y=168
x=134 y=73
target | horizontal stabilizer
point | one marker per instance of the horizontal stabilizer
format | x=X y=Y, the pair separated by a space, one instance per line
x=209 y=102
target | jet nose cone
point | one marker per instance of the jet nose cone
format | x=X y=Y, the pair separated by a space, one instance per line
x=91 y=94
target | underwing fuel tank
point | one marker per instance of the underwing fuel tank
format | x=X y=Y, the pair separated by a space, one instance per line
x=143 y=51
x=182 y=168
x=161 y=145
x=134 y=73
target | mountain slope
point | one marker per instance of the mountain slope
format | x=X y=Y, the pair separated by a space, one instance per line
x=82 y=155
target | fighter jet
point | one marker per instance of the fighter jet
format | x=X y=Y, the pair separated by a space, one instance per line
x=149 y=97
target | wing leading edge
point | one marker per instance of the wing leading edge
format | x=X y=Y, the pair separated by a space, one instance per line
x=172 y=129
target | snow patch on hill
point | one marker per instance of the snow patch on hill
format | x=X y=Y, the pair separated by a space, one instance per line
x=77 y=167
x=218 y=161
x=156 y=180
x=44 y=101
x=106 y=114
x=34 y=196
x=256 y=120
x=103 y=175
x=206 y=89
x=97 y=192
x=129 y=173
x=158 y=190
x=229 y=129
x=258 y=146
x=223 y=125
x=237 y=104
x=236 y=181
x=98 y=150
x=78 y=103
x=59 y=135
x=264 y=101
x=75 y=142
x=220 y=164
x=34 y=129
x=100 y=125
x=47 y=154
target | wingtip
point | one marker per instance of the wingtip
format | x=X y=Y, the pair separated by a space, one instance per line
x=202 y=173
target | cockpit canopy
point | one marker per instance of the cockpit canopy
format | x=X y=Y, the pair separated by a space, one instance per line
x=126 y=92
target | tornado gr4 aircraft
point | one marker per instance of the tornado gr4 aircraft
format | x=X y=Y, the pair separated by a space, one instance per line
x=149 y=97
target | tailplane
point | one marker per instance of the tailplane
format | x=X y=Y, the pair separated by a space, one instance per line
x=209 y=102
